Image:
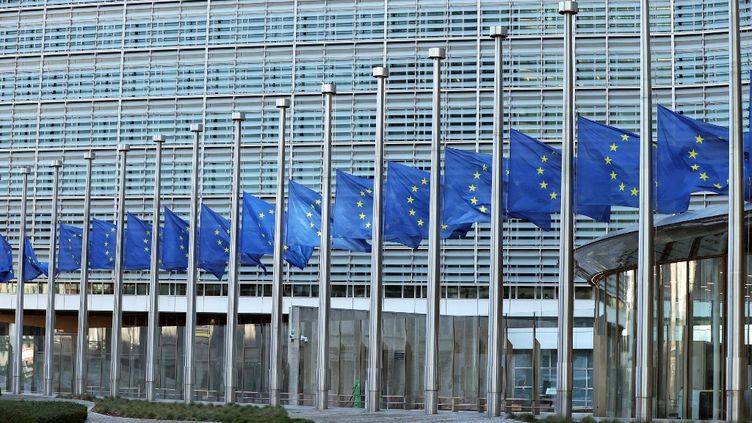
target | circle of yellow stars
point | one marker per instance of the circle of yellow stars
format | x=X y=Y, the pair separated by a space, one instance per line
x=609 y=161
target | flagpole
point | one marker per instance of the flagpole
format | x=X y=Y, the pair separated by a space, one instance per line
x=377 y=253
x=82 y=344
x=736 y=367
x=566 y=238
x=434 y=243
x=645 y=259
x=322 y=371
x=49 y=329
x=233 y=280
x=275 y=350
x=153 y=312
x=18 y=341
x=496 y=284
x=117 y=308
x=192 y=271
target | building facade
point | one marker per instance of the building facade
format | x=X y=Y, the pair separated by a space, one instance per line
x=91 y=75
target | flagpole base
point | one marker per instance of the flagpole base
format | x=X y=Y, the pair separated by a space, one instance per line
x=564 y=404
x=373 y=401
x=493 y=404
x=188 y=392
x=432 y=402
x=274 y=398
x=322 y=400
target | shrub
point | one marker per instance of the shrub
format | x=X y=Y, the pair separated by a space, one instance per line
x=22 y=411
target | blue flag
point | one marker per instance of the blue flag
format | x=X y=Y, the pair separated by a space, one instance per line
x=535 y=182
x=137 y=244
x=32 y=268
x=69 y=249
x=304 y=221
x=467 y=186
x=174 y=242
x=257 y=233
x=608 y=165
x=103 y=239
x=353 y=207
x=692 y=157
x=406 y=207
x=6 y=260
x=214 y=244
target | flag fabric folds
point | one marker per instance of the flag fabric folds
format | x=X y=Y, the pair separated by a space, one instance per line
x=692 y=157
x=304 y=221
x=103 y=239
x=69 y=248
x=467 y=186
x=137 y=244
x=535 y=182
x=608 y=165
x=406 y=207
x=353 y=207
x=214 y=244
x=173 y=247
x=257 y=233
x=32 y=267
x=6 y=260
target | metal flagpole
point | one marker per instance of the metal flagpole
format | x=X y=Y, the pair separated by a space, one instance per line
x=434 y=243
x=377 y=254
x=153 y=323
x=645 y=259
x=192 y=273
x=566 y=238
x=736 y=367
x=322 y=368
x=233 y=280
x=496 y=284
x=18 y=340
x=117 y=308
x=49 y=329
x=275 y=350
x=82 y=340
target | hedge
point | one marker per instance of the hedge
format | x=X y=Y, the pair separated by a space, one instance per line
x=23 y=411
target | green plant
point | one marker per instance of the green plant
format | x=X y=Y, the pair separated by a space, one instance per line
x=22 y=411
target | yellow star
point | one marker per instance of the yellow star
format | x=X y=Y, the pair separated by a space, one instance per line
x=607 y=160
x=362 y=194
x=544 y=185
x=182 y=248
x=309 y=215
x=318 y=233
x=540 y=170
x=554 y=195
x=369 y=190
x=424 y=181
x=219 y=242
x=482 y=209
x=261 y=215
x=718 y=186
x=368 y=225
x=624 y=137
x=622 y=186
x=613 y=175
x=695 y=166
x=412 y=212
x=216 y=232
x=106 y=244
x=146 y=241
x=699 y=139
x=227 y=250
x=692 y=154
x=311 y=224
x=285 y=247
x=471 y=188
x=318 y=202
x=473 y=201
x=146 y=249
x=614 y=147
x=544 y=159
x=444 y=227
x=420 y=222
x=271 y=211
x=414 y=188
x=362 y=216
x=634 y=192
x=704 y=176
x=476 y=175
x=485 y=167
x=359 y=203
x=410 y=200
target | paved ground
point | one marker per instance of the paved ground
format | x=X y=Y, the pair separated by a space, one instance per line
x=355 y=415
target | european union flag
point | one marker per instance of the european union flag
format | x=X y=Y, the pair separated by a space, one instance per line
x=608 y=165
x=103 y=239
x=214 y=244
x=257 y=233
x=467 y=186
x=535 y=181
x=406 y=207
x=353 y=207
x=32 y=268
x=536 y=218
x=70 y=246
x=692 y=157
x=174 y=242
x=6 y=260
x=137 y=244
x=304 y=221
